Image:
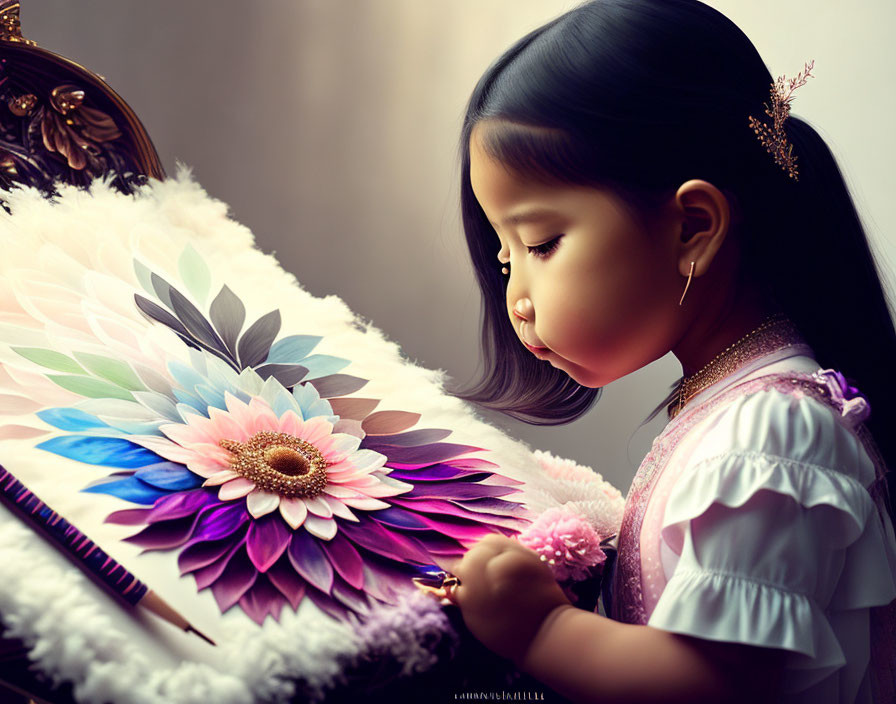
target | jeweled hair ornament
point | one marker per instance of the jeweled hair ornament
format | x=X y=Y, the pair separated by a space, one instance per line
x=773 y=137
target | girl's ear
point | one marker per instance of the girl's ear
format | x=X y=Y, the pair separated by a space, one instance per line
x=704 y=224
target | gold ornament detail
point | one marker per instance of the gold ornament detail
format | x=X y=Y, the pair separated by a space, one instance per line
x=10 y=27
x=279 y=463
x=773 y=138
x=22 y=105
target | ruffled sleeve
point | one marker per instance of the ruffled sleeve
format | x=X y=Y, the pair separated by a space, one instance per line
x=772 y=538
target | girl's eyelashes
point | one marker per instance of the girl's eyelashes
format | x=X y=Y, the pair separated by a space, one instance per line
x=545 y=249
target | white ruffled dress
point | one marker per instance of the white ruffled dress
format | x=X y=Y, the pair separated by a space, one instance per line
x=759 y=528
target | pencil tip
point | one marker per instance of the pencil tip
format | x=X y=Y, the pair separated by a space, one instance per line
x=204 y=637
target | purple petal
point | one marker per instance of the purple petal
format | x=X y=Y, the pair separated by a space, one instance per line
x=221 y=521
x=328 y=605
x=268 y=537
x=239 y=575
x=128 y=516
x=473 y=463
x=439 y=472
x=262 y=599
x=451 y=509
x=164 y=535
x=206 y=576
x=411 y=438
x=179 y=505
x=345 y=559
x=435 y=452
x=456 y=528
x=399 y=518
x=353 y=598
x=381 y=541
x=383 y=581
x=310 y=561
x=284 y=577
x=203 y=553
x=287 y=374
x=457 y=491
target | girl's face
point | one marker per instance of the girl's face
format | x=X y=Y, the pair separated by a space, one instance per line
x=598 y=292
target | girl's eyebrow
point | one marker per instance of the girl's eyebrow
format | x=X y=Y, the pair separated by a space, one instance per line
x=525 y=216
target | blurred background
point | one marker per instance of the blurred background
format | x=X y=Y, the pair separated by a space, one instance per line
x=330 y=127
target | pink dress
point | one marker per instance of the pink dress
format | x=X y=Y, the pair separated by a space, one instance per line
x=753 y=519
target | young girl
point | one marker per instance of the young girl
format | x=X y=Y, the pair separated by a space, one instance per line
x=621 y=164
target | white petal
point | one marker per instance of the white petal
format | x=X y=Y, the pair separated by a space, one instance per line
x=365 y=504
x=235 y=489
x=293 y=511
x=261 y=502
x=323 y=528
x=340 y=509
x=340 y=492
x=220 y=478
x=318 y=507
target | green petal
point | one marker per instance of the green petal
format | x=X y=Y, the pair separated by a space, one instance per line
x=113 y=370
x=50 y=359
x=89 y=387
x=194 y=273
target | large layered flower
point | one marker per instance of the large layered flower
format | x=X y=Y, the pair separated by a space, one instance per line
x=247 y=455
x=299 y=467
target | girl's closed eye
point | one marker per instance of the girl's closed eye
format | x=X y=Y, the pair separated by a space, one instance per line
x=544 y=250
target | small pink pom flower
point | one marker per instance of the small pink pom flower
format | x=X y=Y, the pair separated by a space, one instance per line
x=566 y=541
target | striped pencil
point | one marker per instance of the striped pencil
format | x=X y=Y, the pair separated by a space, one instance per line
x=85 y=553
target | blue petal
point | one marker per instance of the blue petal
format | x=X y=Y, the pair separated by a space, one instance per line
x=185 y=376
x=186 y=398
x=310 y=402
x=292 y=349
x=212 y=397
x=129 y=489
x=111 y=452
x=70 y=419
x=319 y=365
x=170 y=476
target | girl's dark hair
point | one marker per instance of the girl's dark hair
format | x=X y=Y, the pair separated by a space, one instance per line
x=639 y=96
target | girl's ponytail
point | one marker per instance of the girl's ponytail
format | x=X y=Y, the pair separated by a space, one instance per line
x=812 y=248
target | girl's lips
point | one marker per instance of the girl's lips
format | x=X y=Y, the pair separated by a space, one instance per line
x=537 y=351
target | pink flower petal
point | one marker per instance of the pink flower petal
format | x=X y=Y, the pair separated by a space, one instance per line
x=318 y=506
x=205 y=467
x=291 y=423
x=261 y=502
x=235 y=489
x=226 y=427
x=323 y=528
x=187 y=434
x=220 y=478
x=316 y=430
x=338 y=447
x=340 y=509
x=263 y=416
x=293 y=511
x=163 y=446
x=239 y=411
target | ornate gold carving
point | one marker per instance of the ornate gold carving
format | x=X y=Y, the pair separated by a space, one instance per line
x=10 y=27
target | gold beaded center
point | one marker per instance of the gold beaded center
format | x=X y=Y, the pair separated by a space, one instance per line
x=280 y=463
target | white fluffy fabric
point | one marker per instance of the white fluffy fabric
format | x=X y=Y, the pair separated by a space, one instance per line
x=74 y=631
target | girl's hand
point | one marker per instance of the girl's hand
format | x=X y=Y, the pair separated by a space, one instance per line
x=505 y=594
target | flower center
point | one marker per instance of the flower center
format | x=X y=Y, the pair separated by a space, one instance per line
x=280 y=463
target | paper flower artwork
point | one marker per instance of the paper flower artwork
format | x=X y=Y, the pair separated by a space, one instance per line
x=243 y=451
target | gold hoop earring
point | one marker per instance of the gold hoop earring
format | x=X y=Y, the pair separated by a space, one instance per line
x=688 y=284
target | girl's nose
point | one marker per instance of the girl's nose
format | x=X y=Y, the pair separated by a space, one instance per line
x=523 y=309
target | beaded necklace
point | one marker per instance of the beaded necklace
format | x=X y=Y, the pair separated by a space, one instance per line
x=775 y=331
